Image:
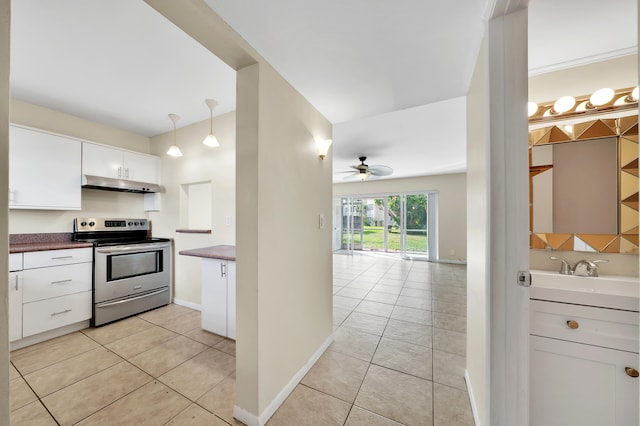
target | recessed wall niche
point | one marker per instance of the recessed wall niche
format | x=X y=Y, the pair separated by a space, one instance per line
x=195 y=206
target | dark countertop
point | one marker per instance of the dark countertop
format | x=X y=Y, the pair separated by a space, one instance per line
x=213 y=252
x=42 y=246
x=21 y=243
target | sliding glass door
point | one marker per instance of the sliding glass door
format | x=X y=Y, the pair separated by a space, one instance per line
x=396 y=223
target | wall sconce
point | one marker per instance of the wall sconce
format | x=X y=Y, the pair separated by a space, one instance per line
x=323 y=147
x=211 y=140
x=174 y=151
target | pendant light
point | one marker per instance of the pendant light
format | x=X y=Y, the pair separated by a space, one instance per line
x=174 y=151
x=211 y=140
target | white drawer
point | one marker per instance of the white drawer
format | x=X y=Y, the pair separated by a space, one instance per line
x=15 y=262
x=45 y=283
x=40 y=259
x=604 y=327
x=53 y=313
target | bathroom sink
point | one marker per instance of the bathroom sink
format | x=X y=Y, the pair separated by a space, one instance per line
x=607 y=291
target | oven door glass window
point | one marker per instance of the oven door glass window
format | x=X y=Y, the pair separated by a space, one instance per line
x=121 y=266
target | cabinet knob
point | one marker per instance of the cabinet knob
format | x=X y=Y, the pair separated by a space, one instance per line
x=573 y=324
x=631 y=372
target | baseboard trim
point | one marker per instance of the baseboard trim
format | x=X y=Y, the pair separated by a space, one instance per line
x=47 y=335
x=455 y=262
x=251 y=419
x=472 y=399
x=187 y=304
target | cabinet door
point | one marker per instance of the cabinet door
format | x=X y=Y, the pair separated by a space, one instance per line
x=44 y=171
x=98 y=160
x=141 y=168
x=15 y=306
x=577 y=384
x=231 y=299
x=214 y=296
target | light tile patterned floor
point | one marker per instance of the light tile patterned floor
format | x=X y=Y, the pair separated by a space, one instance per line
x=398 y=358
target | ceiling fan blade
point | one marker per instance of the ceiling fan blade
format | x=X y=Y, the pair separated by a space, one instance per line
x=353 y=176
x=354 y=167
x=380 y=170
x=346 y=171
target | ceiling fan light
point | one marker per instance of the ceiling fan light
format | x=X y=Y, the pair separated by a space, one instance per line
x=564 y=104
x=362 y=176
x=601 y=96
x=532 y=108
x=211 y=141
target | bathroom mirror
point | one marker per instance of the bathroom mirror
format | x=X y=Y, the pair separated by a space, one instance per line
x=583 y=186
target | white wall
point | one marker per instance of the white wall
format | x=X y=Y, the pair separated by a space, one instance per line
x=284 y=260
x=452 y=205
x=4 y=206
x=95 y=202
x=199 y=163
x=477 y=368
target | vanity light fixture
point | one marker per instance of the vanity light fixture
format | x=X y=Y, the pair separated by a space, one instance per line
x=211 y=140
x=532 y=108
x=174 y=151
x=323 y=147
x=605 y=100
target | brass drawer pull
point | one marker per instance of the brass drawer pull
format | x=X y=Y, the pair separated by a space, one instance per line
x=631 y=372
x=573 y=324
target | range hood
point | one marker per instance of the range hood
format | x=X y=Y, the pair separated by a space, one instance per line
x=122 y=185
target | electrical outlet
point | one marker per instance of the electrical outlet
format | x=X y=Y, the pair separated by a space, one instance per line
x=227 y=220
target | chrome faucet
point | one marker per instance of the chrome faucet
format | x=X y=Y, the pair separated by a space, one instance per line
x=565 y=269
x=587 y=268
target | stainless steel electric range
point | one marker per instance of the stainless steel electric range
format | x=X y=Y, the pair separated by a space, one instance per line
x=131 y=271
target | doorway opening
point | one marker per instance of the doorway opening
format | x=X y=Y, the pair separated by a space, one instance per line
x=400 y=223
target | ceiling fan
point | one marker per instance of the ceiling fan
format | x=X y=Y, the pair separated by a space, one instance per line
x=363 y=171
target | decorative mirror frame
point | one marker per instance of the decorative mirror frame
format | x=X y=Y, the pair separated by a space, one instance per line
x=625 y=129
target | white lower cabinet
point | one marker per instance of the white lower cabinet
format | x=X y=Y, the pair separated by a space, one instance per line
x=581 y=385
x=219 y=297
x=15 y=306
x=584 y=365
x=56 y=289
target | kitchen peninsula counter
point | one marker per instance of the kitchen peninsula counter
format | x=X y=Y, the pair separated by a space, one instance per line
x=221 y=252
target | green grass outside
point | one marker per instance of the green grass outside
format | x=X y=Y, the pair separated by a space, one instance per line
x=374 y=239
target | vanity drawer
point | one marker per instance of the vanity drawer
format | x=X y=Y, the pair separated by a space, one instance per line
x=53 y=313
x=41 y=259
x=45 y=283
x=585 y=324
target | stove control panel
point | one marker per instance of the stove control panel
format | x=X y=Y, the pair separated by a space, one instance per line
x=92 y=224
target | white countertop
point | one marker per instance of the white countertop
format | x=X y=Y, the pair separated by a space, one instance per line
x=607 y=291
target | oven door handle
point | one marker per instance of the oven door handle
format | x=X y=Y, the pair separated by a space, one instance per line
x=106 y=305
x=132 y=248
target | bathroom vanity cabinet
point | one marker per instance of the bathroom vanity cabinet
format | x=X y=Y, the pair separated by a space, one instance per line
x=584 y=364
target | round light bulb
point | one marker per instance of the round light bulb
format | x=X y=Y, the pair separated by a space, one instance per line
x=601 y=96
x=635 y=93
x=532 y=108
x=564 y=104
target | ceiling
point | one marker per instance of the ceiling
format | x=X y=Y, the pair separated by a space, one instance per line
x=391 y=76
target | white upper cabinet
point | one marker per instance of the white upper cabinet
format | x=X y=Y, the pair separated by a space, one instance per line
x=44 y=171
x=99 y=160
